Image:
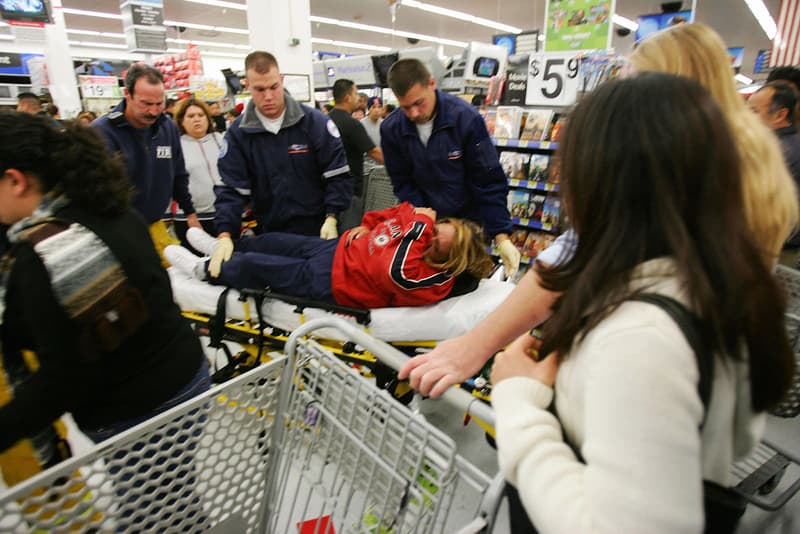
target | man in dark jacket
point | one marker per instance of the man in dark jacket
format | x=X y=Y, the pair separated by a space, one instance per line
x=356 y=143
x=285 y=159
x=151 y=147
x=438 y=154
x=775 y=103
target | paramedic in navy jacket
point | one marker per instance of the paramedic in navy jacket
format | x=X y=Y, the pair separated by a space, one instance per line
x=286 y=159
x=150 y=145
x=439 y=154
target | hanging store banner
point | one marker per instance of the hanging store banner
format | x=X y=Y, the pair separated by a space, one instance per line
x=572 y=25
x=143 y=22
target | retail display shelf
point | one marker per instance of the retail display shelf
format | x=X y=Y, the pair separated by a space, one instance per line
x=531 y=184
x=534 y=224
x=516 y=143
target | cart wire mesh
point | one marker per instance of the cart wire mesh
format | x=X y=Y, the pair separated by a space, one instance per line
x=355 y=458
x=198 y=465
x=345 y=457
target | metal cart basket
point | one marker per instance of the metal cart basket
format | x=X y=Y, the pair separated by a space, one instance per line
x=301 y=444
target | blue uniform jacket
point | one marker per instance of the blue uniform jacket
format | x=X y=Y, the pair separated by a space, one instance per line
x=458 y=174
x=153 y=160
x=292 y=178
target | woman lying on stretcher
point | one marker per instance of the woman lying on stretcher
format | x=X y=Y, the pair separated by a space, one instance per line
x=398 y=256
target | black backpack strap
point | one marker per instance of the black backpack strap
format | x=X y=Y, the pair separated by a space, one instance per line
x=692 y=331
x=723 y=507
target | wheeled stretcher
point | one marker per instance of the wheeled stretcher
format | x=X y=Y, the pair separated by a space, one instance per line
x=261 y=320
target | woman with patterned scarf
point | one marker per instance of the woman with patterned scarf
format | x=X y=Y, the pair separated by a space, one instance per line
x=82 y=288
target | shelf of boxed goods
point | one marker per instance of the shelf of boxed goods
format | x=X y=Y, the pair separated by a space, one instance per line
x=533 y=185
x=516 y=143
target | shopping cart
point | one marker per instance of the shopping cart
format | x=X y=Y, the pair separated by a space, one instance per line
x=300 y=444
x=770 y=475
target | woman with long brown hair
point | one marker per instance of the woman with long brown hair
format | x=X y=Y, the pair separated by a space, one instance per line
x=651 y=188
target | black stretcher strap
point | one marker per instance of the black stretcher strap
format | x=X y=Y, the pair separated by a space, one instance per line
x=361 y=315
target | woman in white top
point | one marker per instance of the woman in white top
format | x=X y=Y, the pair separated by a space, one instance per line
x=650 y=184
x=201 y=148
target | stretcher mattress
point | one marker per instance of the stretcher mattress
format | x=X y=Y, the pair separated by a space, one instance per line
x=448 y=318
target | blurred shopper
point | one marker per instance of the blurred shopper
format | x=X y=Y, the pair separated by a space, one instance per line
x=216 y=117
x=111 y=344
x=86 y=118
x=356 y=143
x=201 y=149
x=372 y=122
x=28 y=102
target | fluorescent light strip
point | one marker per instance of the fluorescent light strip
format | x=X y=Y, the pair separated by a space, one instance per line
x=208 y=43
x=460 y=15
x=220 y=29
x=761 y=13
x=625 y=22
x=4 y=37
x=223 y=54
x=91 y=44
x=741 y=78
x=85 y=13
x=385 y=31
x=220 y=3
x=98 y=34
x=350 y=45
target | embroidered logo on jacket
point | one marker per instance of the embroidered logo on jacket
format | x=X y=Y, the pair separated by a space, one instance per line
x=455 y=154
x=164 y=152
x=298 y=149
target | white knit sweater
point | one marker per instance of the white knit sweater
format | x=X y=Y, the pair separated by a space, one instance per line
x=627 y=398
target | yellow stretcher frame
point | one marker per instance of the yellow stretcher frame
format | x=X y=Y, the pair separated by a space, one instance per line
x=245 y=332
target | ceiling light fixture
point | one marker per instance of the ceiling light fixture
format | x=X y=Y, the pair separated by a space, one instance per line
x=761 y=13
x=220 y=3
x=5 y=37
x=86 y=13
x=193 y=26
x=224 y=54
x=625 y=22
x=386 y=31
x=207 y=43
x=91 y=44
x=98 y=34
x=741 y=78
x=348 y=44
x=460 y=15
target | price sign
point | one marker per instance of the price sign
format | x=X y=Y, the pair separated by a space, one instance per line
x=552 y=79
x=99 y=86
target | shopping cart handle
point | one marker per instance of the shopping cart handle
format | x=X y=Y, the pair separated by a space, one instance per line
x=391 y=357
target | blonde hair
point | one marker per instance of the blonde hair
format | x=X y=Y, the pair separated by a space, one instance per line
x=468 y=252
x=770 y=198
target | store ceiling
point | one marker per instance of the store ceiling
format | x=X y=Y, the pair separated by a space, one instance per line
x=731 y=18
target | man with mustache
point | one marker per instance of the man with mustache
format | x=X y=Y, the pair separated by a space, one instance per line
x=150 y=145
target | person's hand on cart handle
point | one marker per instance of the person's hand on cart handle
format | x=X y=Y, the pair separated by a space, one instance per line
x=222 y=252
x=355 y=233
x=452 y=362
x=517 y=360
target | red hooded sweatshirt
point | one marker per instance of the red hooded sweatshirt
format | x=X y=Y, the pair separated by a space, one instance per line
x=385 y=267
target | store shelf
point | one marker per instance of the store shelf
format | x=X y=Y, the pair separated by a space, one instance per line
x=534 y=224
x=531 y=184
x=516 y=143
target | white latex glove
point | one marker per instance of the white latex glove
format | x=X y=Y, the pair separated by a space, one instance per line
x=510 y=256
x=328 y=230
x=222 y=252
